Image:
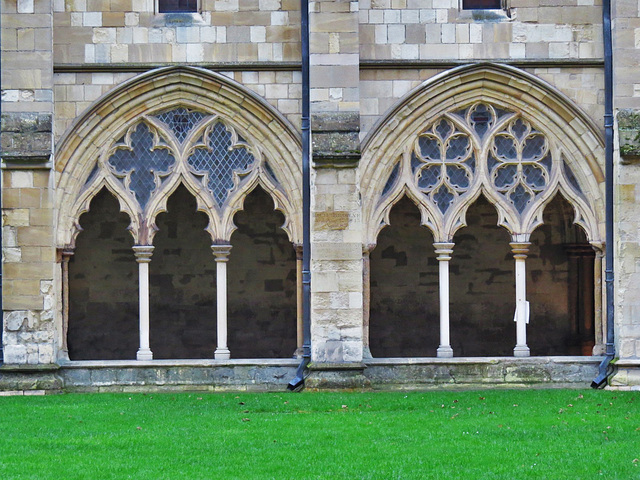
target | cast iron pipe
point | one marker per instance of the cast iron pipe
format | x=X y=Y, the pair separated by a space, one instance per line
x=298 y=382
x=605 y=370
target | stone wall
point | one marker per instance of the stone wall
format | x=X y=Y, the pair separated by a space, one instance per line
x=438 y=29
x=365 y=57
x=129 y=31
x=626 y=42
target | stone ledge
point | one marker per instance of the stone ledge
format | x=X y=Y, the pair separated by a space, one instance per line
x=284 y=362
x=482 y=360
x=335 y=139
x=25 y=368
x=332 y=367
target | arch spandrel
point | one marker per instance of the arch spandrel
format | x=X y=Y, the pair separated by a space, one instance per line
x=576 y=143
x=270 y=137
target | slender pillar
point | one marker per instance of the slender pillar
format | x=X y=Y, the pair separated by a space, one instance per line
x=221 y=253
x=599 y=347
x=443 y=252
x=520 y=250
x=299 y=311
x=366 y=299
x=143 y=257
x=66 y=256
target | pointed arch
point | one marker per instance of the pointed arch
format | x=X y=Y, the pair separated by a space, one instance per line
x=141 y=100
x=576 y=142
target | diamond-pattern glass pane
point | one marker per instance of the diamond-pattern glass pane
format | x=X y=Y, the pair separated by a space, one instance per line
x=571 y=178
x=506 y=176
x=458 y=147
x=533 y=148
x=181 y=121
x=415 y=162
x=271 y=173
x=443 y=198
x=492 y=163
x=443 y=129
x=505 y=147
x=520 y=198
x=534 y=176
x=471 y=163
x=429 y=177
x=391 y=181
x=458 y=177
x=220 y=162
x=142 y=163
x=429 y=148
x=93 y=174
x=501 y=113
x=519 y=129
x=481 y=119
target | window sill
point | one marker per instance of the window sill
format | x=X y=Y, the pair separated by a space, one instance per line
x=178 y=19
x=484 y=16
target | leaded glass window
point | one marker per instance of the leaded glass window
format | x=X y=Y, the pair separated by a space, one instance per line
x=219 y=160
x=520 y=163
x=443 y=164
x=140 y=161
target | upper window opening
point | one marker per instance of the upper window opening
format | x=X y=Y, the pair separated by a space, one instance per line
x=177 y=6
x=481 y=4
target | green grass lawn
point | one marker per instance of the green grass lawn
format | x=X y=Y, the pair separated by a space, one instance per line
x=552 y=434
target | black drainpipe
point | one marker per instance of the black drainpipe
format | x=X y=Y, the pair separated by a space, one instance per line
x=604 y=371
x=298 y=382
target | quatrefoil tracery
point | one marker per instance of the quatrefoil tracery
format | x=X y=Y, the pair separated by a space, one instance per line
x=443 y=163
x=205 y=152
x=480 y=148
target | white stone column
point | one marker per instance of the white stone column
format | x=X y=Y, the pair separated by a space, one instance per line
x=521 y=317
x=221 y=253
x=443 y=252
x=299 y=300
x=143 y=257
x=65 y=256
x=366 y=300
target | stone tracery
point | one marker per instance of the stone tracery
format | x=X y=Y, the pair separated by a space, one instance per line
x=205 y=152
x=482 y=145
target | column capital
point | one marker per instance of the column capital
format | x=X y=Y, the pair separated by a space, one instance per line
x=298 y=247
x=520 y=249
x=221 y=252
x=443 y=250
x=143 y=253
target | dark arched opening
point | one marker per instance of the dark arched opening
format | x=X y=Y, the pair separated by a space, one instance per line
x=404 y=288
x=261 y=283
x=103 y=286
x=182 y=282
x=560 y=285
x=482 y=285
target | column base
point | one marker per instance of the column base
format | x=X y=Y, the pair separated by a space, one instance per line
x=298 y=353
x=366 y=353
x=144 y=354
x=222 y=354
x=521 y=351
x=336 y=376
x=444 y=352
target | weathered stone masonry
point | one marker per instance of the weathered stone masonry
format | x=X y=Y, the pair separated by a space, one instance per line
x=80 y=77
